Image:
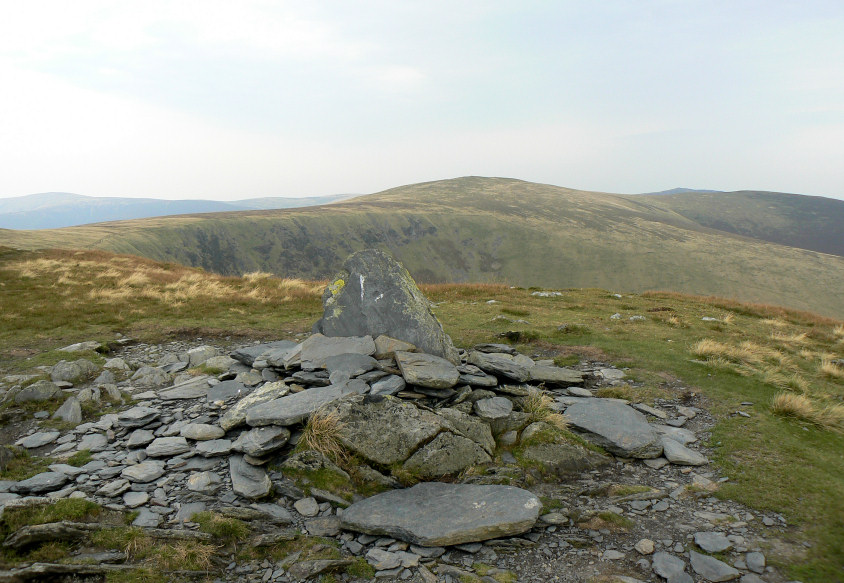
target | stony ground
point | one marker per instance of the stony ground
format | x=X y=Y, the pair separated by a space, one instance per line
x=637 y=520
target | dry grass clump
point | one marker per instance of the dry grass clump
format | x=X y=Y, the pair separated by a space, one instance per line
x=838 y=332
x=803 y=408
x=321 y=433
x=539 y=406
x=830 y=368
x=131 y=278
x=793 y=338
x=746 y=353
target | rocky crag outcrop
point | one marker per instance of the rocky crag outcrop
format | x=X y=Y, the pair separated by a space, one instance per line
x=481 y=435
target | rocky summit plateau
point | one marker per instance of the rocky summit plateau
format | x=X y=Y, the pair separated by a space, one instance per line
x=380 y=444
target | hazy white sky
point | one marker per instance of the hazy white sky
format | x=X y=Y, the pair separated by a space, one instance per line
x=246 y=98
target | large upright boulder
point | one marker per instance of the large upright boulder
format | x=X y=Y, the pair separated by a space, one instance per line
x=373 y=295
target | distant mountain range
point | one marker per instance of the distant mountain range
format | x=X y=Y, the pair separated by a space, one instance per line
x=53 y=210
x=783 y=249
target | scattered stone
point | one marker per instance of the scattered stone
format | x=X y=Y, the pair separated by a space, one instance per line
x=204 y=482
x=201 y=431
x=213 y=447
x=38 y=391
x=307 y=569
x=617 y=428
x=712 y=542
x=261 y=440
x=666 y=565
x=190 y=389
x=227 y=390
x=135 y=499
x=247 y=480
x=140 y=438
x=557 y=376
x=711 y=568
x=389 y=385
x=755 y=561
x=146 y=471
x=137 y=417
x=426 y=370
x=236 y=416
x=494 y=408
x=167 y=447
x=292 y=409
x=681 y=455
x=39 y=439
x=40 y=483
x=73 y=372
x=644 y=546
x=439 y=514
x=69 y=412
x=150 y=377
x=500 y=365
x=307 y=507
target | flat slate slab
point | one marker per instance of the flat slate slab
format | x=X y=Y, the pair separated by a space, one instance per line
x=317 y=349
x=619 y=429
x=192 y=389
x=248 y=354
x=554 y=375
x=291 y=409
x=427 y=370
x=501 y=365
x=435 y=514
x=681 y=455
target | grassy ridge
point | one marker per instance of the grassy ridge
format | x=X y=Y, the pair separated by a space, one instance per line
x=789 y=462
x=809 y=222
x=483 y=229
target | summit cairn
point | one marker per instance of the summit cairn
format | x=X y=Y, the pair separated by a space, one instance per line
x=373 y=295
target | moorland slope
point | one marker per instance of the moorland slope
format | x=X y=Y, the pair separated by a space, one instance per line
x=477 y=229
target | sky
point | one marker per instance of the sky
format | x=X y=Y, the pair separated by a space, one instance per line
x=251 y=98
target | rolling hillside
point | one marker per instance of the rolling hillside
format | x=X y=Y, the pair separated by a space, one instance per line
x=50 y=210
x=808 y=222
x=487 y=230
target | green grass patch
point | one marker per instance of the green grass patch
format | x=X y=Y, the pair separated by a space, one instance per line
x=361 y=569
x=227 y=530
x=24 y=465
x=72 y=509
x=80 y=458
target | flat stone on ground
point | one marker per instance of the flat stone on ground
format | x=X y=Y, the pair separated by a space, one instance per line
x=40 y=483
x=711 y=568
x=619 y=429
x=712 y=542
x=681 y=455
x=39 y=439
x=439 y=514
x=667 y=565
